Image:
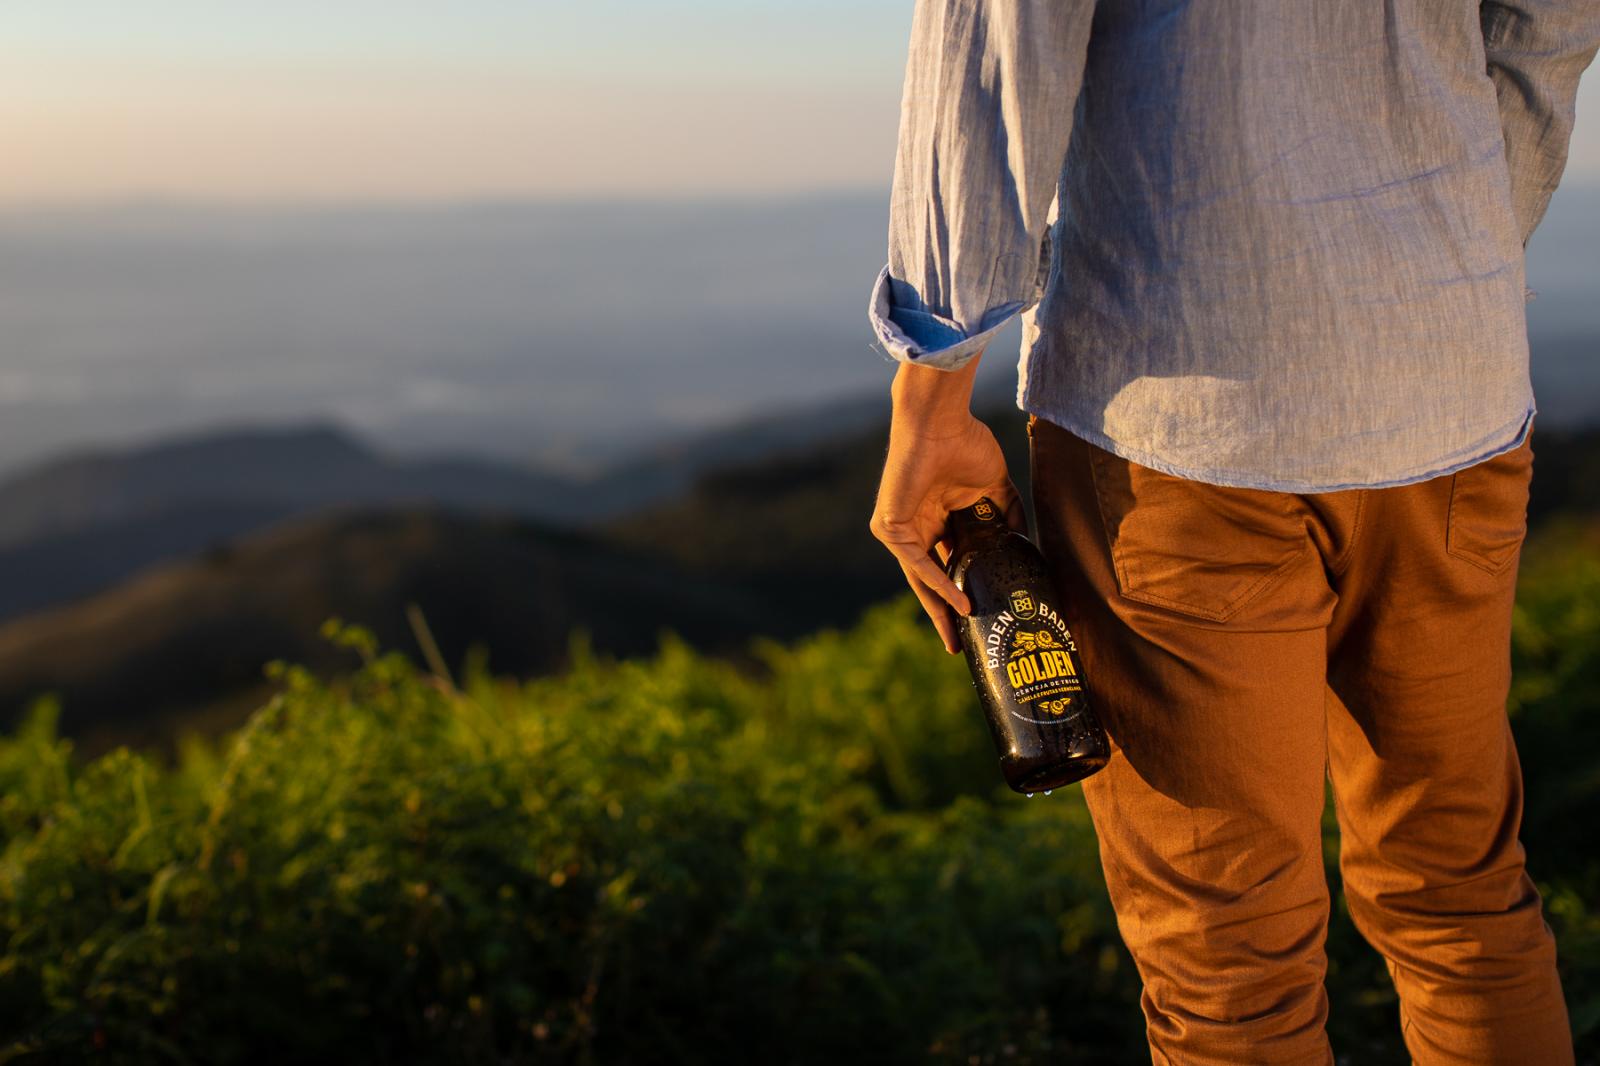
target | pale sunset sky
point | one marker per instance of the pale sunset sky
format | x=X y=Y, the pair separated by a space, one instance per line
x=366 y=101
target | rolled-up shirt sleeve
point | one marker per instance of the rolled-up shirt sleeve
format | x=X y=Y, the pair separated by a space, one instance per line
x=986 y=115
x=1537 y=50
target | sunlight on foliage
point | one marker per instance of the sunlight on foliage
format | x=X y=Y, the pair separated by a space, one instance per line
x=659 y=860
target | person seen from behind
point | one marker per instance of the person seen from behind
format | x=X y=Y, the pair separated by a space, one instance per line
x=1268 y=260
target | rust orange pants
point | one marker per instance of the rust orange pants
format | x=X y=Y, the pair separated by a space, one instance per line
x=1243 y=647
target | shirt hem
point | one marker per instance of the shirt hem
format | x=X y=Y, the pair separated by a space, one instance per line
x=1520 y=428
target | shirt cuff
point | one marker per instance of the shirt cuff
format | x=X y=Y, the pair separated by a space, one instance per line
x=928 y=339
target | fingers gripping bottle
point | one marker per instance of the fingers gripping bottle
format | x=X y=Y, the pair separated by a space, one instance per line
x=1023 y=660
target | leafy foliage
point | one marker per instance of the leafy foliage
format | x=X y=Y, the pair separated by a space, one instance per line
x=659 y=860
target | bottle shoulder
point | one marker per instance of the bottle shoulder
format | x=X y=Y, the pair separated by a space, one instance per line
x=1010 y=551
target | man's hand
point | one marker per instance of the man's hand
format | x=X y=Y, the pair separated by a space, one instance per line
x=940 y=459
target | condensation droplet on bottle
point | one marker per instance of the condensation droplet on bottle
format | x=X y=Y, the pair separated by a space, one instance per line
x=1048 y=791
x=1030 y=795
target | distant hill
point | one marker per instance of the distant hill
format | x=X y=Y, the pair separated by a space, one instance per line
x=793 y=527
x=190 y=638
x=58 y=568
x=670 y=467
x=79 y=524
x=299 y=467
x=268 y=470
x=776 y=546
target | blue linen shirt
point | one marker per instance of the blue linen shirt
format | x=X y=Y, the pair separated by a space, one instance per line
x=1263 y=243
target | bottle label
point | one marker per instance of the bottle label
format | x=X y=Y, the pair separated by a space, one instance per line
x=1029 y=644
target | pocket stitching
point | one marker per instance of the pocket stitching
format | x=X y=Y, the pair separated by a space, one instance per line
x=1451 y=540
x=1231 y=608
x=1113 y=545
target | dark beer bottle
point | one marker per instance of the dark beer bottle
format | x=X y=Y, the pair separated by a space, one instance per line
x=1023 y=660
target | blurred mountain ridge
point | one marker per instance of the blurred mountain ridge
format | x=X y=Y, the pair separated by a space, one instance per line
x=772 y=546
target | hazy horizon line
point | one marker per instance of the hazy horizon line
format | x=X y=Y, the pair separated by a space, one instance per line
x=711 y=197
x=469 y=201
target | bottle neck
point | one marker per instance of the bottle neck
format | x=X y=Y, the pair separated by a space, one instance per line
x=973 y=525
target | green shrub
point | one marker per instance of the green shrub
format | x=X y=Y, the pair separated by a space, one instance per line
x=663 y=860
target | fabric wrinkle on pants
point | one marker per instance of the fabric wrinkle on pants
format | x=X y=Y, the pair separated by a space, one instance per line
x=1243 y=647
